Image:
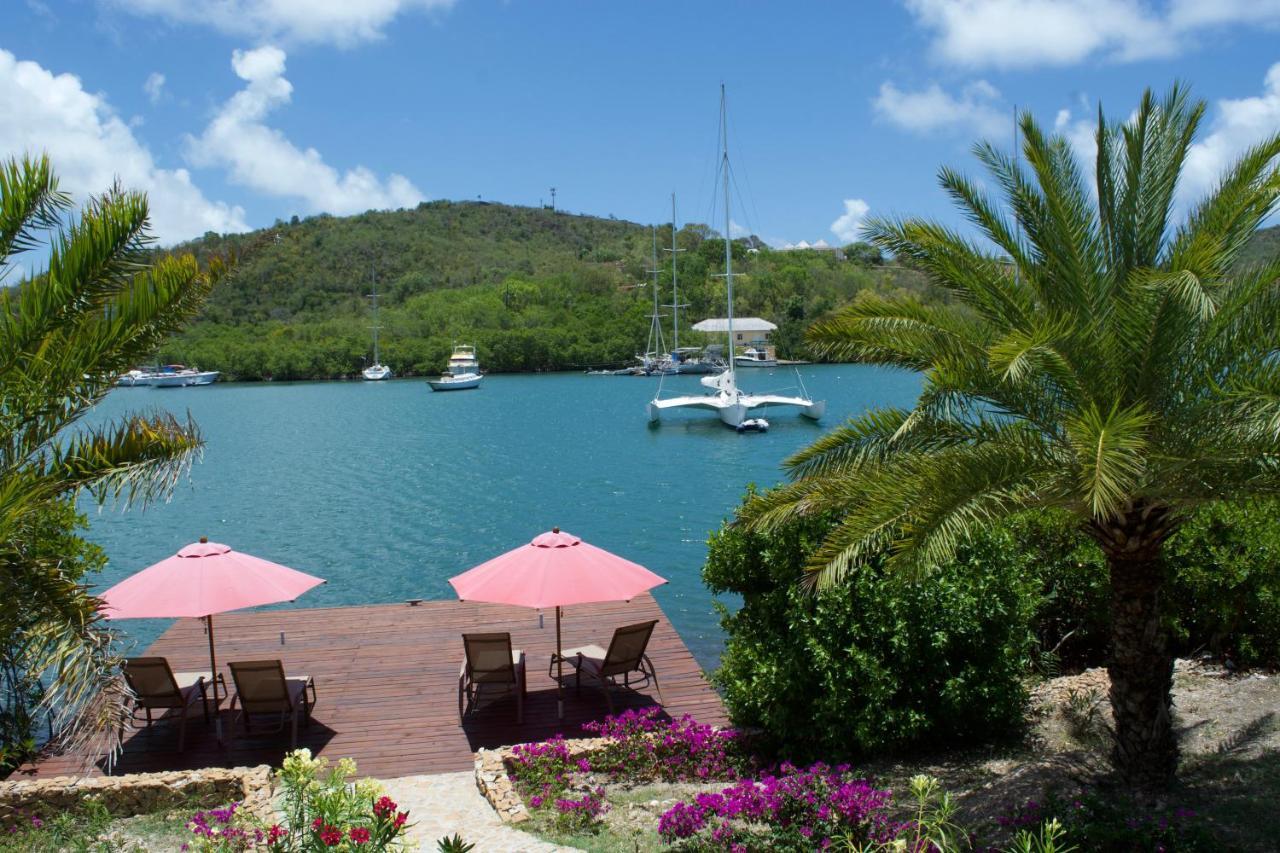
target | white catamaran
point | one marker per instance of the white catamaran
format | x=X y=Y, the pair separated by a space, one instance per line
x=377 y=370
x=725 y=399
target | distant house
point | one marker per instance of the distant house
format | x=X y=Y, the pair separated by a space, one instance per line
x=747 y=331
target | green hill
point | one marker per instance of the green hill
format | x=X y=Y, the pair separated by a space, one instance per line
x=534 y=289
x=1264 y=247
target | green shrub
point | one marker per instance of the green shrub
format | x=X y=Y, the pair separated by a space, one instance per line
x=1223 y=593
x=882 y=662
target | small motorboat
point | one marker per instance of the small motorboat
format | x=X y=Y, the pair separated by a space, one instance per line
x=462 y=373
x=752 y=357
x=178 y=376
x=753 y=425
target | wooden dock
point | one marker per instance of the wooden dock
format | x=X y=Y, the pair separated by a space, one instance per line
x=387 y=682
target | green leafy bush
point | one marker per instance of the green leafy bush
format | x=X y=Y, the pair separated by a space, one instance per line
x=1223 y=593
x=882 y=662
x=1224 y=588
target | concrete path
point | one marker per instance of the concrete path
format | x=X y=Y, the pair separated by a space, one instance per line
x=446 y=803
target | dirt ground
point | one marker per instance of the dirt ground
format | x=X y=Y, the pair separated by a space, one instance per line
x=1229 y=731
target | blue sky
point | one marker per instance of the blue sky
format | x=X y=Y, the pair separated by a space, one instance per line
x=233 y=113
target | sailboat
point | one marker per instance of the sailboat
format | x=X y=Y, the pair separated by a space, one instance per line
x=654 y=358
x=726 y=399
x=377 y=370
x=684 y=359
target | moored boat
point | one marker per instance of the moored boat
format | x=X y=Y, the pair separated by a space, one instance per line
x=376 y=371
x=462 y=373
x=752 y=357
x=180 y=376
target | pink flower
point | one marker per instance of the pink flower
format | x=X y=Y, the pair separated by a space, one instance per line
x=400 y=819
x=359 y=835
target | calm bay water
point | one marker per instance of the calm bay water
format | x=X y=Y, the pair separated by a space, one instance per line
x=387 y=489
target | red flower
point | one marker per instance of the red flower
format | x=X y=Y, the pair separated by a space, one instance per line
x=359 y=835
x=384 y=807
x=400 y=819
x=276 y=832
x=317 y=824
x=331 y=836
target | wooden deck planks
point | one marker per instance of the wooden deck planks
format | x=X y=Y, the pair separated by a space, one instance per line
x=387 y=678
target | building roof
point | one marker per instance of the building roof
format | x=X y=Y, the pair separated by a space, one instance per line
x=740 y=324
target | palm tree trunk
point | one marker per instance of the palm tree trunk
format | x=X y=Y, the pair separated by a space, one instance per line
x=1140 y=666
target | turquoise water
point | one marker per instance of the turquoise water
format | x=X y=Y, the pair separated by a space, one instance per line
x=387 y=489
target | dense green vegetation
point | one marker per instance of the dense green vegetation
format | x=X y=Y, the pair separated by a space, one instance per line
x=96 y=308
x=534 y=289
x=881 y=663
x=1124 y=371
x=891 y=662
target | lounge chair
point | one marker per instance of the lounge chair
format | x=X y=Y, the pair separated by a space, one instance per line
x=490 y=665
x=625 y=657
x=157 y=687
x=262 y=688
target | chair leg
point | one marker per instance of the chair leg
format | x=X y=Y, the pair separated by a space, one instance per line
x=651 y=672
x=182 y=730
x=293 y=733
x=461 y=690
x=519 y=707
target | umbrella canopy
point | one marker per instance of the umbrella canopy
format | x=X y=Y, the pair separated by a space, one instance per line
x=202 y=579
x=555 y=570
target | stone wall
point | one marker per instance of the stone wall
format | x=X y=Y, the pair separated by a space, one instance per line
x=142 y=793
x=493 y=782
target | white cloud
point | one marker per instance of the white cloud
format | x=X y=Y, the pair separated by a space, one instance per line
x=262 y=158
x=1027 y=33
x=1237 y=125
x=848 y=227
x=90 y=146
x=736 y=230
x=340 y=22
x=976 y=109
x=154 y=87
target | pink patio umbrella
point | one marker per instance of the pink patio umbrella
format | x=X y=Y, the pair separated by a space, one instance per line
x=202 y=579
x=555 y=570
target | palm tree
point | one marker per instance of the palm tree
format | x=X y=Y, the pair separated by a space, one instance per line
x=100 y=305
x=1097 y=358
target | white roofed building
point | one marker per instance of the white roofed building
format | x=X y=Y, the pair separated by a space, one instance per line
x=747 y=331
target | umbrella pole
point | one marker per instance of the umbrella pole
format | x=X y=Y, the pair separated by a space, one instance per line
x=559 y=669
x=213 y=674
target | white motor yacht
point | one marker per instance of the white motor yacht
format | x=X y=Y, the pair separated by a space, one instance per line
x=462 y=373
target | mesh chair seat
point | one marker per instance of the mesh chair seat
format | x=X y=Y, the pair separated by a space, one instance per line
x=490 y=665
x=156 y=687
x=626 y=656
x=262 y=688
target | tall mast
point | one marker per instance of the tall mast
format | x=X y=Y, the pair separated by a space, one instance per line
x=728 y=248
x=676 y=304
x=675 y=287
x=373 y=275
x=655 y=345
